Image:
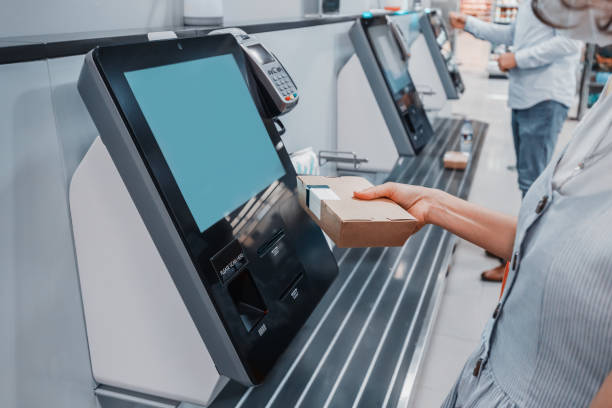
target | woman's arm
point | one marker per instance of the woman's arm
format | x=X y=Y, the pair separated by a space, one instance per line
x=603 y=399
x=488 y=229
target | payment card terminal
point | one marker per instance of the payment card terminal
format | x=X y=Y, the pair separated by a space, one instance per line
x=279 y=90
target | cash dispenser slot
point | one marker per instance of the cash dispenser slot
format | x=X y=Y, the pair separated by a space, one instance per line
x=247 y=299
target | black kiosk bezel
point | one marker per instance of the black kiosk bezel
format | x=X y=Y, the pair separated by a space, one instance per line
x=283 y=239
x=113 y=63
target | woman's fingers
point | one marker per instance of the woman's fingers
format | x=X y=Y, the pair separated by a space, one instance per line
x=384 y=190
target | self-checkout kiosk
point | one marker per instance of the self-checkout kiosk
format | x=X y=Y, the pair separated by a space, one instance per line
x=441 y=49
x=429 y=43
x=196 y=262
x=394 y=87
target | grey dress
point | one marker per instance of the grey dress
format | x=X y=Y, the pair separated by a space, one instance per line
x=549 y=340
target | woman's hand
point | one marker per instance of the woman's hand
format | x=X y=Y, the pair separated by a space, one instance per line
x=488 y=229
x=416 y=200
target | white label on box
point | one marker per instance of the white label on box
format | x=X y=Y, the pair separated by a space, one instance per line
x=317 y=195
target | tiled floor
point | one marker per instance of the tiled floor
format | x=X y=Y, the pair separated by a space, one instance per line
x=468 y=302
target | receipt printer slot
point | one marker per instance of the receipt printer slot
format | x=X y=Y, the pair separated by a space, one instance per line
x=247 y=299
x=271 y=244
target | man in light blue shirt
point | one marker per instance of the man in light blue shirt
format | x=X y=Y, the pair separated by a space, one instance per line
x=542 y=72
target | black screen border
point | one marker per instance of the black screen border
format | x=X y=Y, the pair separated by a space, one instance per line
x=114 y=61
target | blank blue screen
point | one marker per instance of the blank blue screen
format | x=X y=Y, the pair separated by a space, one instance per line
x=210 y=133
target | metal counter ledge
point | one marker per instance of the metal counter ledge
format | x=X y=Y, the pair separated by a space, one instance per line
x=363 y=345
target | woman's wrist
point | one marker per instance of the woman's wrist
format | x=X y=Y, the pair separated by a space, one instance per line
x=436 y=203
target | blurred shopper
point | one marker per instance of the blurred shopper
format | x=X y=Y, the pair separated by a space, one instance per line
x=548 y=343
x=542 y=72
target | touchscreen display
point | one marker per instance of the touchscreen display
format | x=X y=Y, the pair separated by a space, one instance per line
x=210 y=133
x=394 y=68
x=260 y=54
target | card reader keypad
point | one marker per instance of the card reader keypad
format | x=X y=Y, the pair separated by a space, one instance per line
x=283 y=83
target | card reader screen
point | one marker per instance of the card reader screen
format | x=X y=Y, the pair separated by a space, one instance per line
x=260 y=54
x=210 y=133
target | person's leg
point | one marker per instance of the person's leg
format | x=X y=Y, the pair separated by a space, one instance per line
x=539 y=128
x=515 y=134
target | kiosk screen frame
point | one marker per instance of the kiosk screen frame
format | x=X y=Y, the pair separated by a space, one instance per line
x=114 y=66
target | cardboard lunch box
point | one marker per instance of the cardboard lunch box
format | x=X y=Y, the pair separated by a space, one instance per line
x=456 y=160
x=350 y=222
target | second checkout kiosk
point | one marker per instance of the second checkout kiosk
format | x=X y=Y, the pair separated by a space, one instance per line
x=393 y=116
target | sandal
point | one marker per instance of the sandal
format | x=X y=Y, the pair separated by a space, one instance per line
x=494 y=274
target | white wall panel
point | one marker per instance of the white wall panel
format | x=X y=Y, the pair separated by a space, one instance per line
x=313 y=57
x=35 y=17
x=75 y=129
x=43 y=350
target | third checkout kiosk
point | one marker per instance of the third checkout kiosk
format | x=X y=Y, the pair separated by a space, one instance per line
x=393 y=116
